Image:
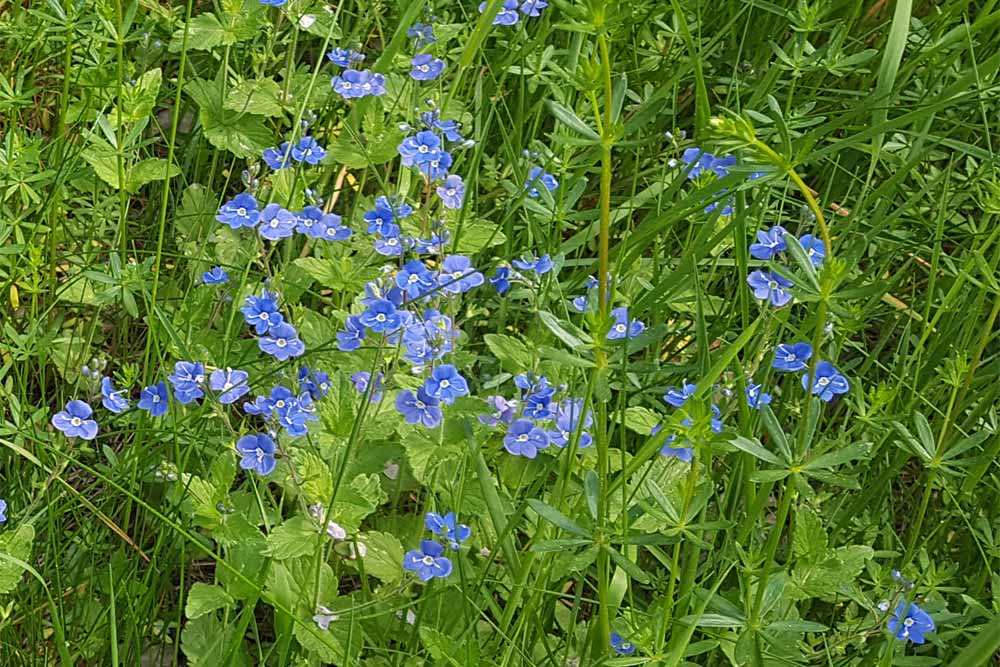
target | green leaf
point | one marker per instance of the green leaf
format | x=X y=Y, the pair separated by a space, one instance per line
x=556 y=518
x=853 y=452
x=756 y=450
x=151 y=169
x=205 y=598
x=293 y=538
x=510 y=351
x=641 y=420
x=630 y=568
x=356 y=152
x=983 y=646
x=316 y=480
x=139 y=99
x=15 y=544
x=570 y=119
x=383 y=556
x=261 y=97
x=357 y=500
x=205 y=32
x=809 y=538
x=477 y=235
x=714 y=621
x=241 y=134
x=206 y=641
x=561 y=329
x=796 y=626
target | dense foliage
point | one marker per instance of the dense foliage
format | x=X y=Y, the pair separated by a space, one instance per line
x=518 y=333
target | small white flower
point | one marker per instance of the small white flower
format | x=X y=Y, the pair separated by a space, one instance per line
x=324 y=617
x=336 y=531
x=306 y=21
x=391 y=470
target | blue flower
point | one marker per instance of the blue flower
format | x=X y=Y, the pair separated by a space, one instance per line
x=422 y=147
x=258 y=453
x=362 y=379
x=292 y=412
x=452 y=192
x=276 y=223
x=75 y=422
x=540 y=265
x=508 y=13
x=910 y=622
x=678 y=397
x=381 y=317
x=533 y=8
x=352 y=83
x=419 y=408
x=232 y=384
x=380 y=219
x=769 y=243
x=446 y=384
x=415 y=279
x=446 y=527
x=111 y=399
x=501 y=279
x=620 y=646
x=580 y=304
x=345 y=57
x=3 y=511
x=309 y=151
x=436 y=168
x=704 y=162
x=827 y=382
x=422 y=33
x=217 y=276
x=261 y=312
x=273 y=3
x=427 y=562
x=448 y=127
x=278 y=158
x=391 y=246
x=458 y=275
x=727 y=209
x=503 y=411
x=792 y=357
x=309 y=221
x=282 y=342
x=756 y=397
x=240 y=211
x=623 y=327
x=567 y=419
x=317 y=383
x=525 y=439
x=814 y=247
x=187 y=379
x=536 y=176
x=426 y=67
x=770 y=286
x=154 y=399
x=350 y=338
x=332 y=229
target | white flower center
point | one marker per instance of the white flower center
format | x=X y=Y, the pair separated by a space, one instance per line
x=156 y=398
x=422 y=148
x=823 y=382
x=620 y=328
x=279 y=404
x=347 y=85
x=445 y=384
x=380 y=318
x=260 y=454
x=242 y=212
x=420 y=405
x=424 y=68
x=281 y=342
x=75 y=421
x=771 y=284
x=450 y=192
x=264 y=316
x=523 y=437
x=427 y=560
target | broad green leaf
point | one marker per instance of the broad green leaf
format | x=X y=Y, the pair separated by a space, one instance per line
x=510 y=351
x=293 y=538
x=642 y=420
x=15 y=543
x=204 y=33
x=242 y=134
x=205 y=598
x=756 y=450
x=383 y=556
x=562 y=330
x=261 y=97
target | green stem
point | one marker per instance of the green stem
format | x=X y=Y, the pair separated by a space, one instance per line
x=769 y=552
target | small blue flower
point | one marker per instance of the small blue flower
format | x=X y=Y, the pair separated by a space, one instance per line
x=580 y=304
x=75 y=422
x=154 y=399
x=436 y=168
x=756 y=397
x=317 y=383
x=525 y=439
x=446 y=384
x=533 y=8
x=309 y=151
x=501 y=279
x=187 y=379
x=458 y=275
x=567 y=419
x=814 y=247
x=678 y=397
x=540 y=265
x=276 y=223
x=3 y=511
x=282 y=342
x=769 y=243
x=508 y=13
x=217 y=276
x=350 y=338
x=240 y=211
x=415 y=279
x=273 y=3
x=704 y=162
x=452 y=192
x=419 y=408
x=345 y=57
x=232 y=384
x=422 y=147
x=111 y=399
x=770 y=286
x=448 y=127
x=333 y=230
x=261 y=312
x=309 y=220
x=792 y=357
x=427 y=562
x=446 y=527
x=425 y=67
x=381 y=316
x=380 y=220
x=623 y=327
x=910 y=622
x=685 y=454
x=536 y=176
x=422 y=33
x=503 y=411
x=257 y=453
x=620 y=646
x=361 y=380
x=352 y=83
x=827 y=382
x=278 y=158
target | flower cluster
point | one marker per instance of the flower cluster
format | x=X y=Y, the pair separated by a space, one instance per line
x=827 y=382
x=429 y=561
x=677 y=397
x=511 y=10
x=770 y=285
x=307 y=150
x=277 y=337
x=274 y=222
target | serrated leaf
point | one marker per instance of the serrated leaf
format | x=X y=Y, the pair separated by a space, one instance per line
x=242 y=134
x=511 y=352
x=204 y=33
x=383 y=557
x=316 y=480
x=255 y=96
x=476 y=235
x=205 y=598
x=293 y=538
x=15 y=544
x=642 y=420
